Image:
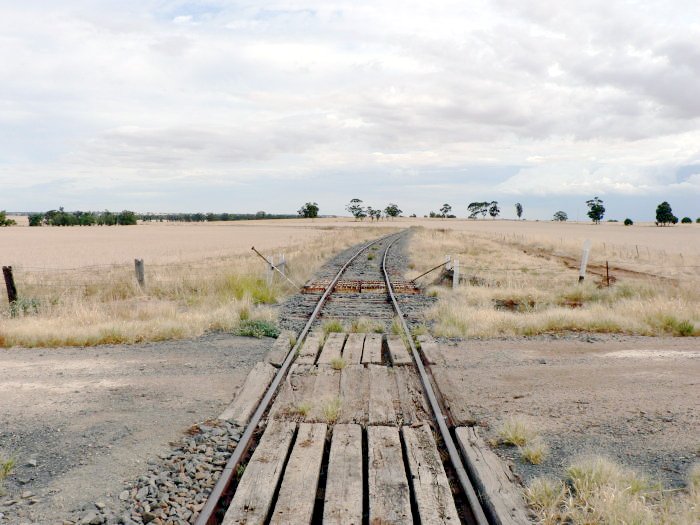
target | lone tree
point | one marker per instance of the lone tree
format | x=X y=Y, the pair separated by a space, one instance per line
x=494 y=210
x=392 y=210
x=629 y=222
x=664 y=215
x=308 y=210
x=519 y=209
x=686 y=220
x=445 y=210
x=596 y=210
x=356 y=209
x=561 y=216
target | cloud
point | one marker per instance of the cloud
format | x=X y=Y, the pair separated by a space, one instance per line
x=564 y=99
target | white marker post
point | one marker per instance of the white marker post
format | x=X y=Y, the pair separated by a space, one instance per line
x=584 y=259
x=455 y=274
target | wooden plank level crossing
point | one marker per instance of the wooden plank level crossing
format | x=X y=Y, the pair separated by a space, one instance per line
x=371 y=457
x=332 y=349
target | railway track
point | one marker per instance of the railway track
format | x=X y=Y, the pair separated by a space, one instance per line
x=350 y=429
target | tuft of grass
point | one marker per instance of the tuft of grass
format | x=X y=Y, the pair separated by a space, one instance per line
x=333 y=325
x=545 y=497
x=598 y=491
x=338 y=363
x=370 y=256
x=6 y=468
x=331 y=410
x=365 y=325
x=516 y=431
x=259 y=291
x=534 y=452
x=257 y=328
x=396 y=327
x=303 y=409
x=420 y=329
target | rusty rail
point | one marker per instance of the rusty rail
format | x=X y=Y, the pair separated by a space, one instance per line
x=207 y=514
x=440 y=418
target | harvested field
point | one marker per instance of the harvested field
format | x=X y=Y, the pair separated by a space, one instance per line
x=89 y=295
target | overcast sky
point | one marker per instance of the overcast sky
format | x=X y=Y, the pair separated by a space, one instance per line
x=246 y=106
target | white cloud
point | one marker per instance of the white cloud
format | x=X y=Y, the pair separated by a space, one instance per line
x=576 y=98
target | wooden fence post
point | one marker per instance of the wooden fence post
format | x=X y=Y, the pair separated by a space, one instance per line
x=140 y=274
x=607 y=273
x=10 y=284
x=584 y=259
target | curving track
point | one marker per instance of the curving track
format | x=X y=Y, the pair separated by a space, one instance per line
x=373 y=396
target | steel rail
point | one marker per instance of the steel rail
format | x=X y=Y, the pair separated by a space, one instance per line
x=206 y=515
x=455 y=458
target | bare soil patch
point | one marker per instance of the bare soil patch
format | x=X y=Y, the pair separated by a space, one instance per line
x=90 y=418
x=632 y=399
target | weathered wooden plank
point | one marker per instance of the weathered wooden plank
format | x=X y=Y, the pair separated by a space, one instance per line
x=279 y=350
x=332 y=349
x=309 y=350
x=344 y=487
x=382 y=394
x=354 y=393
x=297 y=495
x=431 y=488
x=432 y=353
x=295 y=398
x=412 y=405
x=389 y=495
x=253 y=498
x=493 y=480
x=352 y=353
x=372 y=352
x=449 y=382
x=397 y=351
x=326 y=395
x=242 y=407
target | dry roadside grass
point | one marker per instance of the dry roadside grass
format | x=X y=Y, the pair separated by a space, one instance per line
x=597 y=490
x=104 y=305
x=515 y=287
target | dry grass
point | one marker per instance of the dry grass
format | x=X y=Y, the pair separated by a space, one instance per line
x=534 y=452
x=331 y=410
x=6 y=468
x=104 y=305
x=516 y=431
x=338 y=363
x=597 y=491
x=332 y=326
x=365 y=325
x=508 y=292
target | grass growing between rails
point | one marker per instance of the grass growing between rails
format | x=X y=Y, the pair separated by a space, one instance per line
x=506 y=292
x=104 y=305
x=598 y=491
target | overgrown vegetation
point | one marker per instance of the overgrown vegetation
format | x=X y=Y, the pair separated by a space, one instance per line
x=522 y=288
x=598 y=491
x=4 y=221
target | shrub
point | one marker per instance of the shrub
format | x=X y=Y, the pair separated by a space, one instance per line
x=628 y=222
x=4 y=221
x=257 y=328
x=686 y=220
x=697 y=220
